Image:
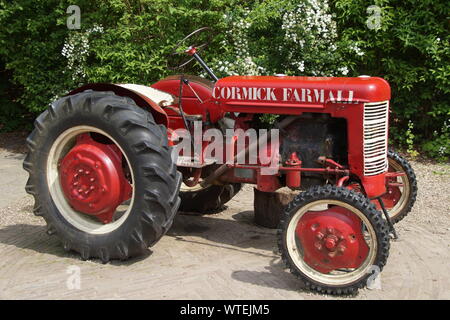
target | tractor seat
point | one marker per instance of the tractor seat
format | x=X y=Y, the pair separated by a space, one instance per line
x=161 y=98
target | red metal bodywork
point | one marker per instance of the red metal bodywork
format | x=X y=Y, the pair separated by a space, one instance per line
x=339 y=97
x=284 y=95
x=208 y=107
x=282 y=99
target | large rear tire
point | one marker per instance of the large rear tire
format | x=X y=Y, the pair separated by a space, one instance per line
x=120 y=124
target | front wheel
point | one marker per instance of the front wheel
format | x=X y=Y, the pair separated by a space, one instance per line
x=401 y=188
x=333 y=239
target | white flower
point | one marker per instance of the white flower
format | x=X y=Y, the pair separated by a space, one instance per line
x=343 y=70
x=356 y=49
x=76 y=49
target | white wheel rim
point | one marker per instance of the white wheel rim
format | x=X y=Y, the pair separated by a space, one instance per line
x=328 y=279
x=405 y=190
x=79 y=220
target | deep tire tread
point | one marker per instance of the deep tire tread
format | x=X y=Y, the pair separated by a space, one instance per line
x=133 y=124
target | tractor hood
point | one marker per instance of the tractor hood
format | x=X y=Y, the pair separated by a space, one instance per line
x=299 y=91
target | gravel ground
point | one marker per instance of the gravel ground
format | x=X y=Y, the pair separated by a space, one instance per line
x=221 y=256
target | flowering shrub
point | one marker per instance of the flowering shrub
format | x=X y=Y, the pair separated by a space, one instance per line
x=305 y=42
x=240 y=61
x=310 y=37
x=407 y=43
x=76 y=50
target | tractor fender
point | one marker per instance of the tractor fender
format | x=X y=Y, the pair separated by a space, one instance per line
x=145 y=97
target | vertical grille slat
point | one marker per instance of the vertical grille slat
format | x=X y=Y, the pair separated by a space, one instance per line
x=375 y=137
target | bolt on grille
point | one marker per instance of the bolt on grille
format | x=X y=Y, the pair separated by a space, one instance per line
x=375 y=137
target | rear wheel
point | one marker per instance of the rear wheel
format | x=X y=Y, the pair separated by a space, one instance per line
x=333 y=239
x=206 y=200
x=102 y=176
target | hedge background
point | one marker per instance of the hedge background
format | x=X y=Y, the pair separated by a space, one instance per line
x=128 y=41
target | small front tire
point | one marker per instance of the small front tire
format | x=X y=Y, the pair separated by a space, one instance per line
x=332 y=239
x=399 y=200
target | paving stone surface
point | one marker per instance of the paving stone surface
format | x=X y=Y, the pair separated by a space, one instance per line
x=220 y=256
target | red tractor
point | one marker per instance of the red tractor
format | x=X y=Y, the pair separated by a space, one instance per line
x=105 y=179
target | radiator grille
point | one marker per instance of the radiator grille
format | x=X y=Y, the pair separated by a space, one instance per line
x=375 y=137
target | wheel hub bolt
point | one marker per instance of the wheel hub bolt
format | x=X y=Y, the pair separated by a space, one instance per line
x=319 y=235
x=330 y=243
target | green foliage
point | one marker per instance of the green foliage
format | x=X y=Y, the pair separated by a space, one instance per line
x=119 y=41
x=411 y=50
x=130 y=40
x=30 y=43
x=268 y=118
x=439 y=146
x=410 y=140
x=12 y=115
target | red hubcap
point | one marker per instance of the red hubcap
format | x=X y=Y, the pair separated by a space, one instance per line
x=332 y=239
x=92 y=178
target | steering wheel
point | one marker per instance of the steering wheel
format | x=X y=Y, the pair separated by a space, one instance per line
x=198 y=42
